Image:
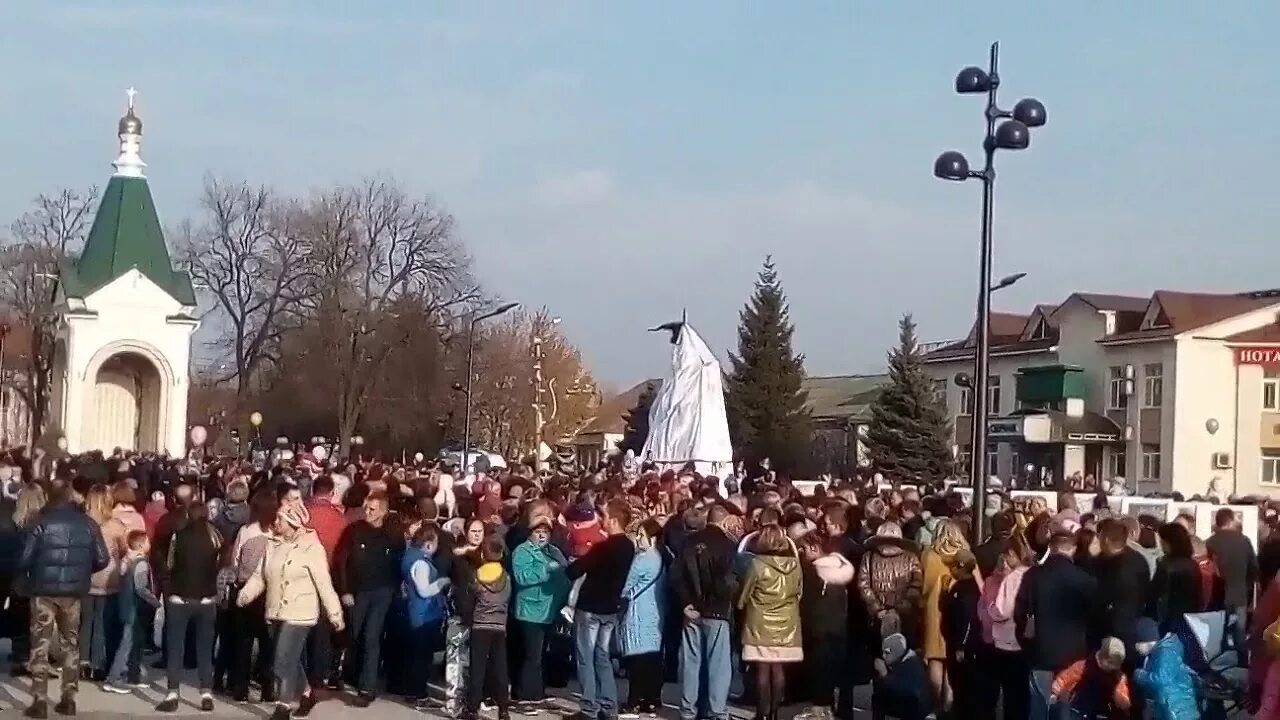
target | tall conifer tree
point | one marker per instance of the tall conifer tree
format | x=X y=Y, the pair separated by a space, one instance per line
x=907 y=438
x=763 y=394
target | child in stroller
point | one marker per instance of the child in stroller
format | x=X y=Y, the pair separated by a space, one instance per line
x=1221 y=682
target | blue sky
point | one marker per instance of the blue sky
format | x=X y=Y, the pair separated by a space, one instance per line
x=620 y=161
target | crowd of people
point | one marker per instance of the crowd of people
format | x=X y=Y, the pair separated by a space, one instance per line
x=312 y=580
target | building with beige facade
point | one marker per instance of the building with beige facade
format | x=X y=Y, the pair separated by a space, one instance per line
x=1176 y=391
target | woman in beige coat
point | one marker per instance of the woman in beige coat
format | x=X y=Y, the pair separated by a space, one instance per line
x=294 y=573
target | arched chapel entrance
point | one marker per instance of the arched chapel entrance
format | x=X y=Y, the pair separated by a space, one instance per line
x=124 y=405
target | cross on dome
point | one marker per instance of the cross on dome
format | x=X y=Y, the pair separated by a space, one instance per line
x=129 y=163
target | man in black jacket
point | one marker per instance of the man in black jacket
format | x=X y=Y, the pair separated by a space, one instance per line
x=59 y=554
x=1124 y=584
x=1052 y=613
x=706 y=586
x=367 y=565
x=1237 y=565
x=595 y=618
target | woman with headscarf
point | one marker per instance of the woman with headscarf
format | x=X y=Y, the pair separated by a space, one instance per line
x=294 y=574
x=936 y=563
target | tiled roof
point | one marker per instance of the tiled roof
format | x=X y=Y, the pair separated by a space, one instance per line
x=959 y=351
x=1265 y=334
x=842 y=396
x=1115 y=303
x=1187 y=311
x=1003 y=324
x=611 y=418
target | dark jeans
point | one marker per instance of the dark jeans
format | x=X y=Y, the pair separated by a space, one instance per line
x=320 y=652
x=94 y=630
x=419 y=650
x=17 y=622
x=178 y=616
x=825 y=670
x=368 y=617
x=531 y=685
x=247 y=625
x=644 y=680
x=488 y=670
x=962 y=676
x=289 y=641
x=1003 y=678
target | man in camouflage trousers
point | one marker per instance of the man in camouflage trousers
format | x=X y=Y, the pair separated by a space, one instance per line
x=62 y=549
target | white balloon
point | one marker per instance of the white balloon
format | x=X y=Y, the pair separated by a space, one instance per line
x=319 y=453
x=419 y=457
x=198 y=435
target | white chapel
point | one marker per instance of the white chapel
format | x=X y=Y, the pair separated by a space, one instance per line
x=126 y=319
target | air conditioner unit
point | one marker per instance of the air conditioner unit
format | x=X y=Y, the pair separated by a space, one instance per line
x=1222 y=460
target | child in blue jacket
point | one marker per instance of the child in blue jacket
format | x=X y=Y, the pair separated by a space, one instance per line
x=1165 y=679
x=422 y=588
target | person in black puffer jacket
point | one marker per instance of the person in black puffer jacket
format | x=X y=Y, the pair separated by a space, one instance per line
x=59 y=553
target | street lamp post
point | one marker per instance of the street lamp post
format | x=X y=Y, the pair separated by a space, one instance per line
x=1006 y=130
x=471 y=356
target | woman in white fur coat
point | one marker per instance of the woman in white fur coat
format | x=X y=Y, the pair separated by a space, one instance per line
x=824 y=621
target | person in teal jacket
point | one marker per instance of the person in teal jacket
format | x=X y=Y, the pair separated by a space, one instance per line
x=1164 y=675
x=542 y=589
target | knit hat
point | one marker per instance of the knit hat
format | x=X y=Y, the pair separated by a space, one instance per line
x=1146 y=630
x=893 y=648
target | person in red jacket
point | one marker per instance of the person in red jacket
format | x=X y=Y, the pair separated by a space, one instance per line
x=327 y=516
x=328 y=520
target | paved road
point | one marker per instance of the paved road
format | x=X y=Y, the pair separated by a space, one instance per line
x=15 y=695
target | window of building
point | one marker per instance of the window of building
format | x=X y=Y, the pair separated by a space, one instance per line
x=1150 y=462
x=938 y=389
x=1118 y=396
x=993 y=462
x=1271 y=390
x=1117 y=463
x=1040 y=331
x=966 y=401
x=1152 y=385
x=963 y=460
x=1271 y=467
x=993 y=395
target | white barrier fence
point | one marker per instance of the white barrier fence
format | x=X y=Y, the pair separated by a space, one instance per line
x=1162 y=509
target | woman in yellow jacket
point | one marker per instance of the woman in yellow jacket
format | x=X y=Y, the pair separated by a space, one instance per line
x=936 y=561
x=770 y=601
x=294 y=573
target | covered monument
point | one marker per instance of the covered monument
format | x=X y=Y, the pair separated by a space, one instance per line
x=687 y=421
x=125 y=321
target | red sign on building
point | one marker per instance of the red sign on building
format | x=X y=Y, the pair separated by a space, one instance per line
x=1267 y=355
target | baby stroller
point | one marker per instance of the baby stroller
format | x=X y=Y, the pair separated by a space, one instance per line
x=1221 y=681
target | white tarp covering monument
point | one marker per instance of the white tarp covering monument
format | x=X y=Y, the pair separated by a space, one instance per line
x=687 y=421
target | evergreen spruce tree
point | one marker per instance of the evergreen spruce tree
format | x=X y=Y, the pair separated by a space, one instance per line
x=907 y=438
x=763 y=394
x=637 y=429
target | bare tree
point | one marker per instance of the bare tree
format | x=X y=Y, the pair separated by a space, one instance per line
x=250 y=255
x=383 y=260
x=39 y=241
x=504 y=391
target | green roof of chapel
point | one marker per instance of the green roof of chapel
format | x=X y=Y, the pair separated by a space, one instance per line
x=126 y=234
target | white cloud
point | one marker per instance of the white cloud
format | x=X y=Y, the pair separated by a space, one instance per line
x=581 y=188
